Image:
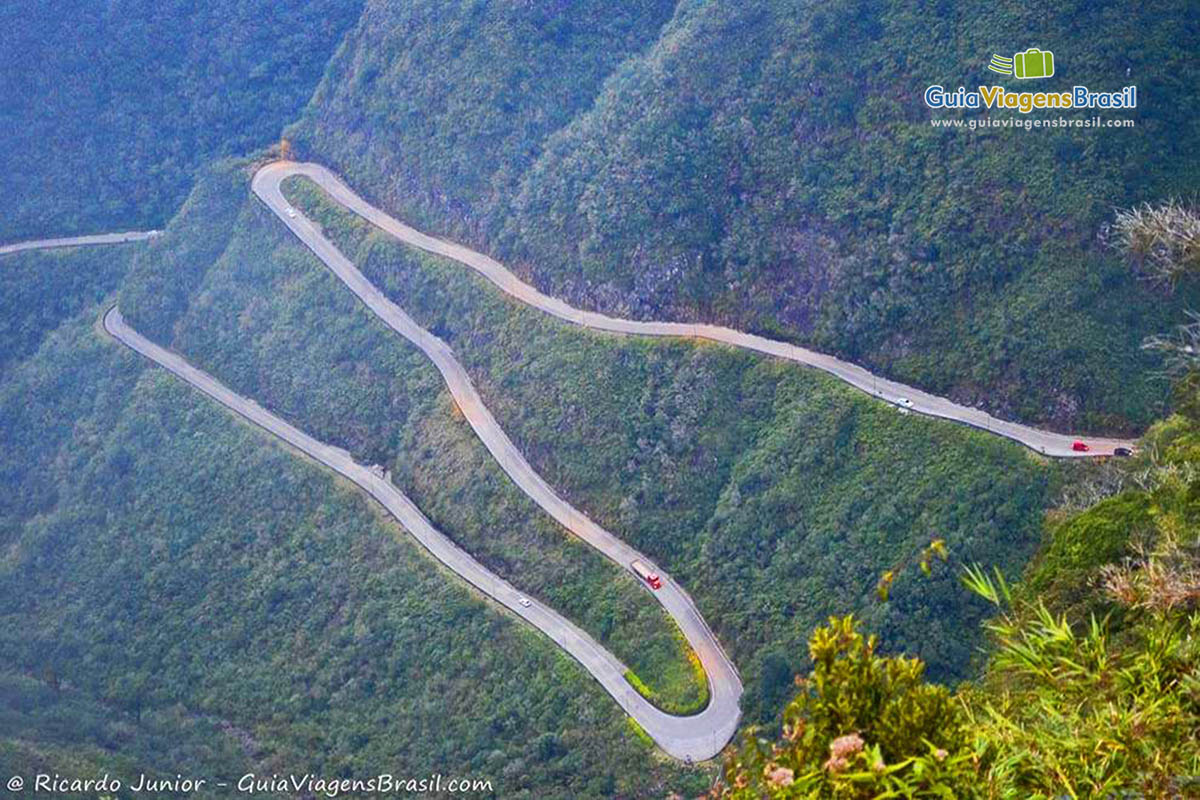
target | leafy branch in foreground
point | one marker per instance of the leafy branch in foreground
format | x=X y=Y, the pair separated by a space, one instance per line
x=862 y=725
x=1061 y=710
x=1087 y=713
x=936 y=549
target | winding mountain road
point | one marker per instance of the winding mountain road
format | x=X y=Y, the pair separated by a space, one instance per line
x=79 y=241
x=267 y=183
x=697 y=737
x=719 y=719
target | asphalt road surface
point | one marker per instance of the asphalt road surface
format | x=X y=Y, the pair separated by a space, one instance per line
x=725 y=687
x=697 y=737
x=267 y=187
x=79 y=241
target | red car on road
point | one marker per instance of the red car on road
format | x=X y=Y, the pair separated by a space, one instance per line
x=1080 y=447
x=643 y=572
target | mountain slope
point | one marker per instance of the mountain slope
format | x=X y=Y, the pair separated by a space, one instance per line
x=197 y=598
x=442 y=107
x=42 y=289
x=771 y=164
x=106 y=108
x=757 y=483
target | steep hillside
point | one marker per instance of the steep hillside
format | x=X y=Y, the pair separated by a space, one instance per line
x=442 y=107
x=771 y=164
x=181 y=594
x=41 y=289
x=106 y=108
x=270 y=321
x=760 y=485
x=757 y=484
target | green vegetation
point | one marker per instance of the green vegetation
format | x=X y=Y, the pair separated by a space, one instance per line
x=1080 y=543
x=467 y=93
x=639 y=732
x=698 y=681
x=178 y=592
x=269 y=320
x=47 y=727
x=1060 y=712
x=1091 y=689
x=40 y=289
x=771 y=165
x=195 y=597
x=861 y=726
x=108 y=108
x=1088 y=710
x=776 y=495
x=756 y=483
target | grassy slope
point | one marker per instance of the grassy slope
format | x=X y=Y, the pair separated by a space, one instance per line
x=1157 y=498
x=107 y=108
x=775 y=494
x=771 y=164
x=211 y=603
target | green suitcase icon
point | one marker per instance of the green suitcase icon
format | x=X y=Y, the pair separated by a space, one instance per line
x=1033 y=63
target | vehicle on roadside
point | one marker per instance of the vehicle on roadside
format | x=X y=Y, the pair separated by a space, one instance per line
x=904 y=401
x=652 y=579
x=291 y=212
x=1122 y=451
x=524 y=601
x=1080 y=447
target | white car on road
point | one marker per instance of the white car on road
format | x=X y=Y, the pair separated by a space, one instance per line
x=524 y=601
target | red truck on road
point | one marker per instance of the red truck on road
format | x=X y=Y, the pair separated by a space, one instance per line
x=643 y=572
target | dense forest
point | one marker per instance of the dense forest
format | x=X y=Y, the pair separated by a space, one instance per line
x=447 y=104
x=44 y=288
x=771 y=164
x=108 y=108
x=734 y=472
x=179 y=592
